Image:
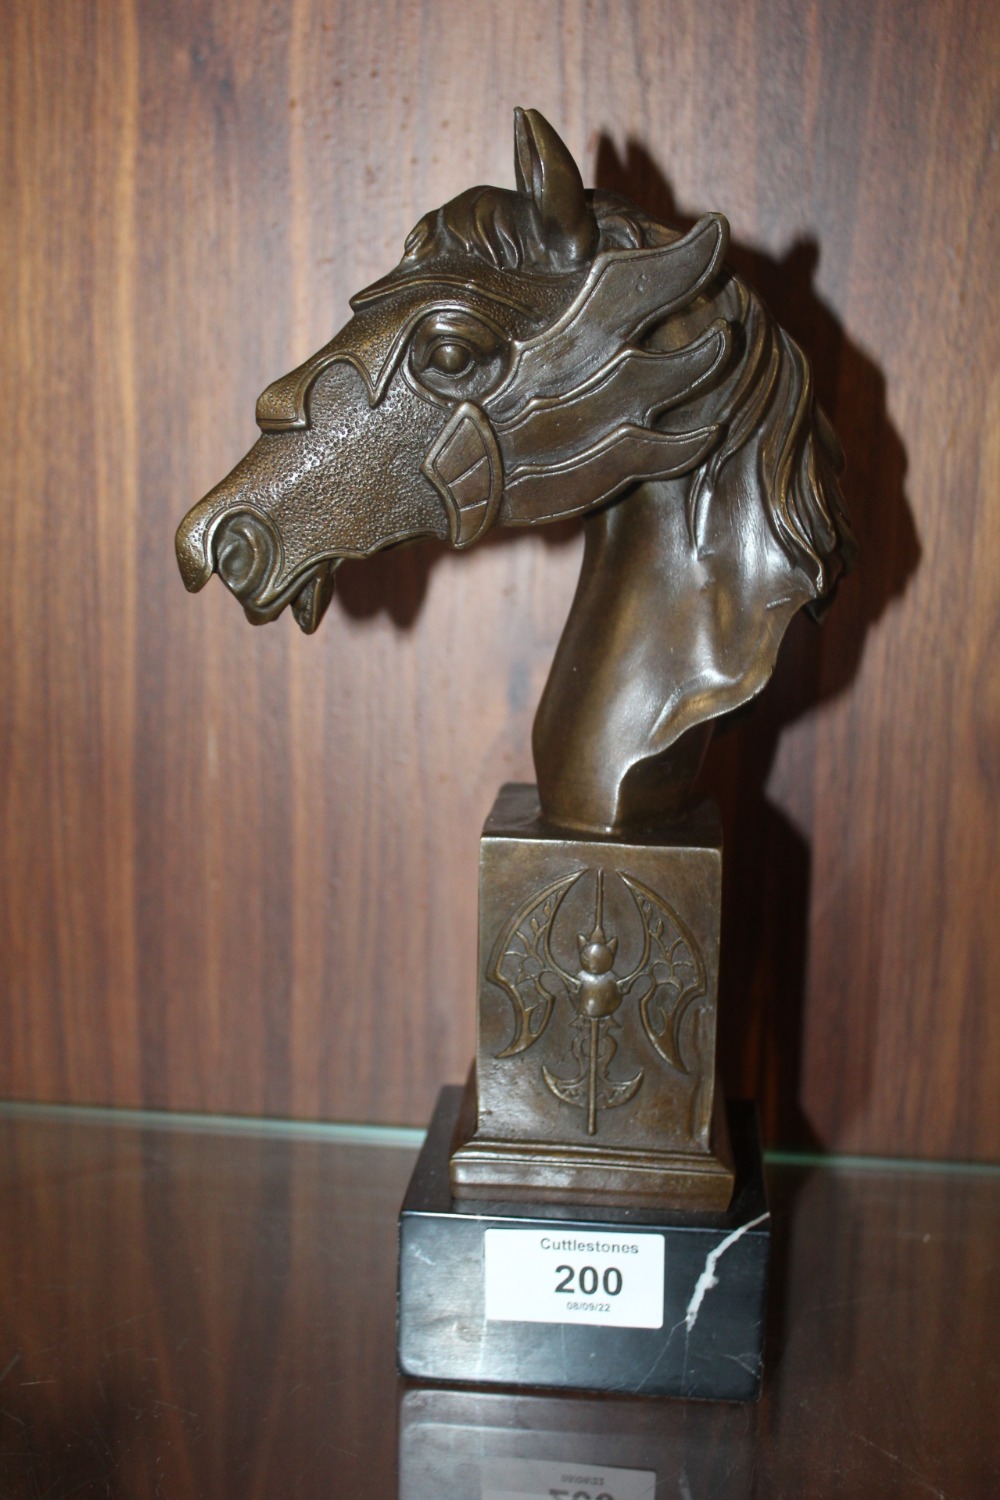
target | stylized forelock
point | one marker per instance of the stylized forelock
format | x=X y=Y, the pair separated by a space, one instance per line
x=499 y=227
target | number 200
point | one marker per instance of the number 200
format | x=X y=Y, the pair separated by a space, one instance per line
x=611 y=1281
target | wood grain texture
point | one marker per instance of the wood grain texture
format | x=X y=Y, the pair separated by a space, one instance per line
x=238 y=864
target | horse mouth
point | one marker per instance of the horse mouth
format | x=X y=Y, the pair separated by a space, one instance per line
x=311 y=602
x=247 y=553
x=308 y=596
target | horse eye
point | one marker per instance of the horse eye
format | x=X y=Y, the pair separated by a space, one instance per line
x=450 y=359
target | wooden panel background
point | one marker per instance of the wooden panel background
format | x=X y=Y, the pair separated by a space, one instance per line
x=238 y=864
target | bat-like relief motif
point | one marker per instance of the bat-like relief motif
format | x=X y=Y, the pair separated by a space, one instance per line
x=667 y=980
x=522 y=964
x=673 y=964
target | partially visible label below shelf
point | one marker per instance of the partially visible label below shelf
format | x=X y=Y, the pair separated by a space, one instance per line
x=540 y=1479
x=559 y=1276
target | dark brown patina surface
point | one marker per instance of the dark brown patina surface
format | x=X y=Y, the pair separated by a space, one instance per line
x=536 y=355
x=545 y=353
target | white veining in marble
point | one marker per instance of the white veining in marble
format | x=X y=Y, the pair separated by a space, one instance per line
x=708 y=1279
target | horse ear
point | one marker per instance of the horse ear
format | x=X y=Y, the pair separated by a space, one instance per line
x=547 y=174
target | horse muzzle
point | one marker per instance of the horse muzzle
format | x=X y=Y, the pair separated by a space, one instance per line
x=244 y=549
x=347 y=484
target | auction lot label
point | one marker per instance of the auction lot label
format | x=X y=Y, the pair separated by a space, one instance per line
x=572 y=1276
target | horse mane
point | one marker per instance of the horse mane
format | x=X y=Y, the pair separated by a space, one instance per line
x=776 y=436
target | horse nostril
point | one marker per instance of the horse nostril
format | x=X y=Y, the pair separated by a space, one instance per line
x=245 y=549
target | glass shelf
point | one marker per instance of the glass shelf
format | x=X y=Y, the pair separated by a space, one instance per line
x=202 y=1308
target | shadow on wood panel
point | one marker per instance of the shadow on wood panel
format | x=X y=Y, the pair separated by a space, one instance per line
x=396 y=580
x=766 y=900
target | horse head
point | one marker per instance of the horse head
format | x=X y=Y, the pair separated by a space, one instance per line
x=539 y=354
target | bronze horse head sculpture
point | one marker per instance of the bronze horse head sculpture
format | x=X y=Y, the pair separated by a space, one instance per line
x=540 y=354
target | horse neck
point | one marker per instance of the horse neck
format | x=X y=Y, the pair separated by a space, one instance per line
x=662 y=638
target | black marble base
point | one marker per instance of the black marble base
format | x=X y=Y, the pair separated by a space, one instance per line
x=710 y=1343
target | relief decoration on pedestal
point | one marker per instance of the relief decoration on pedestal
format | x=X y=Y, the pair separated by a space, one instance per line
x=667 y=979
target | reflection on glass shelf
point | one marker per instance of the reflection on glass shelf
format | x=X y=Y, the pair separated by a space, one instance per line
x=474 y=1445
x=531 y=1478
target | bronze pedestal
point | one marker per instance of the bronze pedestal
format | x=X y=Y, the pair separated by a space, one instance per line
x=594 y=1079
